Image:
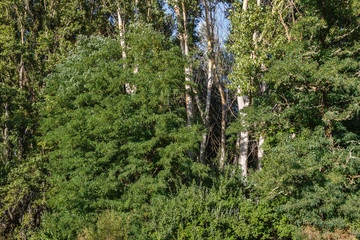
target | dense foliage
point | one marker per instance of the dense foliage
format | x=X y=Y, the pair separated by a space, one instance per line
x=113 y=117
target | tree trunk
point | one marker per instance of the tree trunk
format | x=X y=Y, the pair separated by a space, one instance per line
x=223 y=120
x=263 y=88
x=260 y=151
x=184 y=43
x=210 y=81
x=262 y=136
x=245 y=4
x=22 y=64
x=137 y=11
x=22 y=85
x=121 y=33
x=212 y=75
x=244 y=136
x=121 y=25
x=5 y=131
x=243 y=141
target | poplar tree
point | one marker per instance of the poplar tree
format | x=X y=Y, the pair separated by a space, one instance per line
x=256 y=34
x=308 y=114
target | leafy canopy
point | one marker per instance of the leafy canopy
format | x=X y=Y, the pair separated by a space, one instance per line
x=108 y=149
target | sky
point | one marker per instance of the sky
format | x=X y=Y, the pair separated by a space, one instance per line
x=223 y=23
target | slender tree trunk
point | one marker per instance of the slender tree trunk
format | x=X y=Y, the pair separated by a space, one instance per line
x=22 y=64
x=245 y=4
x=184 y=42
x=6 y=131
x=244 y=136
x=137 y=11
x=263 y=88
x=237 y=147
x=260 y=151
x=212 y=75
x=243 y=141
x=121 y=26
x=148 y=14
x=22 y=85
x=210 y=81
x=262 y=136
x=223 y=121
x=121 y=33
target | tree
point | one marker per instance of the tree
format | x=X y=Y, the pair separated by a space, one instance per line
x=257 y=33
x=309 y=114
x=108 y=149
x=183 y=19
x=209 y=8
x=35 y=35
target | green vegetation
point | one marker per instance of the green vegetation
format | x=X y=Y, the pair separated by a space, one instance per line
x=131 y=120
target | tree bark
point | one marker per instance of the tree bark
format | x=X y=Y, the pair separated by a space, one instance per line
x=245 y=5
x=210 y=81
x=137 y=11
x=184 y=43
x=5 y=131
x=261 y=141
x=121 y=33
x=263 y=88
x=243 y=102
x=212 y=75
x=243 y=137
x=260 y=151
x=223 y=122
x=22 y=64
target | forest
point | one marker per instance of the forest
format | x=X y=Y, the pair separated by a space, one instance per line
x=179 y=119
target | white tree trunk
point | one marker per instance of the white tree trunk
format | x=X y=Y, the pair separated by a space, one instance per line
x=137 y=12
x=121 y=33
x=22 y=64
x=223 y=122
x=210 y=81
x=245 y=5
x=210 y=19
x=260 y=151
x=121 y=25
x=244 y=136
x=184 y=43
x=262 y=91
x=262 y=136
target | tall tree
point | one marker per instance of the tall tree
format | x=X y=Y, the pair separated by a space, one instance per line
x=213 y=48
x=34 y=37
x=182 y=9
x=309 y=114
x=111 y=147
x=256 y=36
